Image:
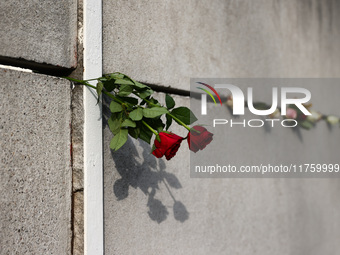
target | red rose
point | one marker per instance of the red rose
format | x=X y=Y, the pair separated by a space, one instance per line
x=198 y=140
x=168 y=145
x=291 y=113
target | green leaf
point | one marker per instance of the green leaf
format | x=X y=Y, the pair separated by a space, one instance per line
x=99 y=89
x=130 y=100
x=184 y=114
x=124 y=82
x=128 y=123
x=114 y=124
x=153 y=148
x=168 y=121
x=154 y=112
x=115 y=76
x=115 y=107
x=140 y=85
x=134 y=132
x=119 y=139
x=170 y=102
x=136 y=114
x=109 y=85
x=154 y=101
x=145 y=93
x=137 y=84
x=306 y=124
x=157 y=124
x=125 y=90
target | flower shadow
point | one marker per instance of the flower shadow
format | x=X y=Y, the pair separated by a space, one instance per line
x=149 y=175
x=141 y=170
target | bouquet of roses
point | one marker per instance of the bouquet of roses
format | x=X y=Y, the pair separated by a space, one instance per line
x=135 y=112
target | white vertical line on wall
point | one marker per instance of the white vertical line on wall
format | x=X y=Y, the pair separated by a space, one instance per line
x=93 y=151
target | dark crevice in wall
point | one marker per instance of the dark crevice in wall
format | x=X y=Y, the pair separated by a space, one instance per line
x=51 y=70
x=170 y=90
x=180 y=92
x=78 y=190
x=36 y=67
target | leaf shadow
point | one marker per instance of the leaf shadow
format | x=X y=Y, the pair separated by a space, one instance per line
x=140 y=170
x=149 y=175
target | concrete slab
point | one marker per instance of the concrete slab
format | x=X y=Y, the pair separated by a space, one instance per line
x=169 y=42
x=153 y=204
x=39 y=32
x=36 y=177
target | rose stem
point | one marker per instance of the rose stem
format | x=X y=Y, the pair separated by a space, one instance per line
x=179 y=121
x=146 y=124
x=94 y=87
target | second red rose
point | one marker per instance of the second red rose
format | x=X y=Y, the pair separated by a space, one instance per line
x=199 y=140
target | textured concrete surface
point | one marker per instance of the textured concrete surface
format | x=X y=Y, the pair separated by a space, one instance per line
x=35 y=182
x=44 y=32
x=154 y=205
x=78 y=170
x=77 y=138
x=168 y=42
x=78 y=223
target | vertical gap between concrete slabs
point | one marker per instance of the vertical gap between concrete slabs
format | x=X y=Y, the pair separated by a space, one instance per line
x=77 y=241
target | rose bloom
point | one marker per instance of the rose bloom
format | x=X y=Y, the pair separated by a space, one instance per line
x=332 y=120
x=168 y=145
x=199 y=140
x=229 y=102
x=291 y=113
x=314 y=117
x=275 y=114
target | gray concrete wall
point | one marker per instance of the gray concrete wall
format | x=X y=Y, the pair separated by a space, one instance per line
x=36 y=176
x=153 y=206
x=42 y=141
x=168 y=42
x=39 y=33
